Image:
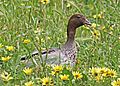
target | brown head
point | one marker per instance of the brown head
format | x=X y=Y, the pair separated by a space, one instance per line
x=77 y=20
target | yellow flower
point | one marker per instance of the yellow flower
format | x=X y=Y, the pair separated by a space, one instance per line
x=30 y=83
x=103 y=71
x=10 y=48
x=68 y=67
x=1 y=45
x=5 y=76
x=110 y=33
x=99 y=73
x=111 y=28
x=44 y=1
x=98 y=77
x=100 y=16
x=26 y=41
x=28 y=71
x=94 y=16
x=77 y=75
x=96 y=34
x=119 y=38
x=96 y=73
x=48 y=65
x=111 y=73
x=53 y=73
x=85 y=27
x=64 y=77
x=68 y=5
x=57 y=68
x=108 y=72
x=5 y=59
x=116 y=83
x=37 y=31
x=94 y=25
x=46 y=81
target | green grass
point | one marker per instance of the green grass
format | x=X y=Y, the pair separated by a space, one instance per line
x=19 y=19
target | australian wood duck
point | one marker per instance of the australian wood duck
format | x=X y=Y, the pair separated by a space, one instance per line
x=68 y=52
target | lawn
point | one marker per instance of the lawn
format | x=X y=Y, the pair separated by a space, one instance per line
x=26 y=25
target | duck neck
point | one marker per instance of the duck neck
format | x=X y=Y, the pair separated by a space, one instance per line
x=71 y=30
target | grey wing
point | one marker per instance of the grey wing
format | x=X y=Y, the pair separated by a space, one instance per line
x=51 y=56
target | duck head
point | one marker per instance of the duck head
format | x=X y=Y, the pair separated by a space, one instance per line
x=77 y=20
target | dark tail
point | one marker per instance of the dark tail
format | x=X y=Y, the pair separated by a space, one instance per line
x=36 y=52
x=32 y=55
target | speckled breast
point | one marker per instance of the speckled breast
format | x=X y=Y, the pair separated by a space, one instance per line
x=69 y=56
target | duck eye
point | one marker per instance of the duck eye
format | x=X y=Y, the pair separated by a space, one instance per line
x=78 y=17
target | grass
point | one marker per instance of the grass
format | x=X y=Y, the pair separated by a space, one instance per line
x=45 y=25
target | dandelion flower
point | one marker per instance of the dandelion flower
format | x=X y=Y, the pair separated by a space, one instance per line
x=94 y=16
x=68 y=67
x=111 y=28
x=64 y=77
x=46 y=81
x=44 y=1
x=96 y=73
x=37 y=31
x=68 y=5
x=103 y=70
x=57 y=68
x=111 y=73
x=100 y=73
x=96 y=34
x=5 y=76
x=108 y=72
x=98 y=77
x=85 y=27
x=119 y=38
x=28 y=71
x=116 y=83
x=10 y=48
x=26 y=41
x=5 y=59
x=77 y=75
x=53 y=72
x=30 y=83
x=100 y=16
x=94 y=25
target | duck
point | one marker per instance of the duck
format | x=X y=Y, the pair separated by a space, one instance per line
x=67 y=53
